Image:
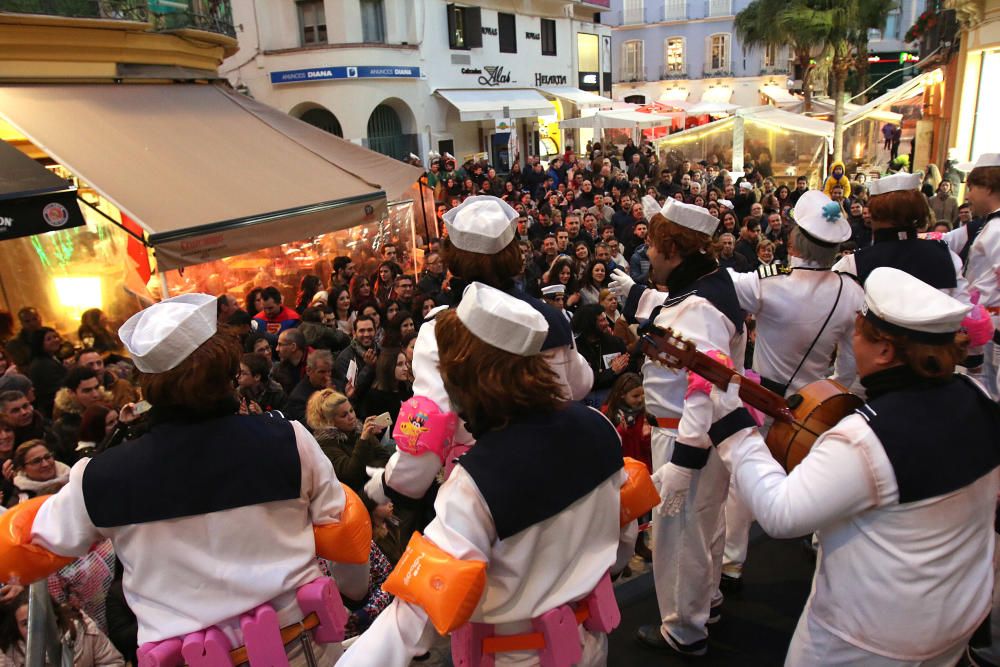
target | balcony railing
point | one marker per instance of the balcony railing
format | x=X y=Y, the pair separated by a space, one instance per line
x=633 y=15
x=669 y=73
x=674 y=10
x=209 y=15
x=630 y=76
x=719 y=8
x=718 y=73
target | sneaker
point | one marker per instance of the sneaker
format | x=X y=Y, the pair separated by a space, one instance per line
x=730 y=584
x=650 y=635
x=715 y=614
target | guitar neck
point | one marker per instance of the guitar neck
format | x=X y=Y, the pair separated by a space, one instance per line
x=660 y=347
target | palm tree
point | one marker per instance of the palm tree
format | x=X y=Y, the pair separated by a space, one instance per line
x=757 y=28
x=838 y=26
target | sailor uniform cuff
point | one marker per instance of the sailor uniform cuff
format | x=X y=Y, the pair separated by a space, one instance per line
x=689 y=456
x=632 y=302
x=735 y=421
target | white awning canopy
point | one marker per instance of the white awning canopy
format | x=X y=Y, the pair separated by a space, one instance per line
x=711 y=108
x=497 y=104
x=674 y=95
x=785 y=120
x=580 y=98
x=625 y=118
x=779 y=95
x=908 y=89
x=717 y=94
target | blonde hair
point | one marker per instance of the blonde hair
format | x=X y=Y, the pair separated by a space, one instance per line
x=319 y=409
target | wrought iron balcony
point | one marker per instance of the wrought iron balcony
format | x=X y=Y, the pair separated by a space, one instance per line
x=669 y=73
x=164 y=15
x=674 y=10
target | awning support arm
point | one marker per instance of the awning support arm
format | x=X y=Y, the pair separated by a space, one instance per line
x=114 y=222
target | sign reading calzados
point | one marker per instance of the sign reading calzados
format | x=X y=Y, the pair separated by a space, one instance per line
x=348 y=72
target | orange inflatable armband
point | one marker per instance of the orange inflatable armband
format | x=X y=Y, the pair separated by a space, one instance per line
x=22 y=562
x=638 y=494
x=350 y=539
x=447 y=588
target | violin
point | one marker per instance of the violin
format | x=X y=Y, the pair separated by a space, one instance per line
x=799 y=420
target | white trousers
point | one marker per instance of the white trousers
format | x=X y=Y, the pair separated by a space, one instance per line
x=815 y=646
x=687 y=548
x=992 y=652
x=738 y=522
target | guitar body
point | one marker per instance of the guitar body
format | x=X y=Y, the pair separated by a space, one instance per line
x=817 y=408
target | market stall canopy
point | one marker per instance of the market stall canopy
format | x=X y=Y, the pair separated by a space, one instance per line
x=672 y=95
x=717 y=94
x=497 y=104
x=825 y=106
x=33 y=200
x=580 y=98
x=625 y=118
x=711 y=108
x=205 y=172
x=785 y=120
x=908 y=89
x=779 y=95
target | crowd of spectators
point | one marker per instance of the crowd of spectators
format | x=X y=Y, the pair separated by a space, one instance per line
x=337 y=354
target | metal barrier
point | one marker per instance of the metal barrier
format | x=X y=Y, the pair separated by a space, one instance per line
x=43 y=631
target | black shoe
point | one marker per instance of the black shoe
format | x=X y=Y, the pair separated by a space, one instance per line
x=715 y=614
x=423 y=657
x=730 y=584
x=650 y=635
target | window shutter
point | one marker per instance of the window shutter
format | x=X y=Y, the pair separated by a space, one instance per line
x=451 y=26
x=473 y=27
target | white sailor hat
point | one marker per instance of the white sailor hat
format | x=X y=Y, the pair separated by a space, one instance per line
x=895 y=183
x=821 y=218
x=690 y=216
x=985 y=160
x=746 y=185
x=165 y=334
x=502 y=321
x=728 y=204
x=554 y=290
x=481 y=224
x=898 y=303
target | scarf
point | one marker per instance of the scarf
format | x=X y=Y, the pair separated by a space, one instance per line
x=24 y=483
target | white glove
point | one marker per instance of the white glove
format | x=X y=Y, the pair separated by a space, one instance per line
x=621 y=283
x=726 y=401
x=673 y=483
x=373 y=487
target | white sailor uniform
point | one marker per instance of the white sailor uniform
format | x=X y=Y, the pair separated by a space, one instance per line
x=980 y=254
x=411 y=475
x=905 y=525
x=210 y=519
x=805 y=317
x=687 y=553
x=537 y=501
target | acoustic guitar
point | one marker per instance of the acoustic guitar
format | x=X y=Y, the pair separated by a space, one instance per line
x=799 y=420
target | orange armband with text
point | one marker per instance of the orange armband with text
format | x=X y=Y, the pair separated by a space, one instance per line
x=638 y=494
x=21 y=561
x=349 y=540
x=447 y=588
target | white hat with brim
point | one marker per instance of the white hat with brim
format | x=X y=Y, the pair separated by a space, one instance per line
x=481 y=224
x=554 y=290
x=821 y=219
x=160 y=337
x=896 y=183
x=503 y=321
x=899 y=303
x=985 y=160
x=690 y=216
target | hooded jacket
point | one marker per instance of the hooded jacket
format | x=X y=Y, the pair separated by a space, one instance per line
x=832 y=181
